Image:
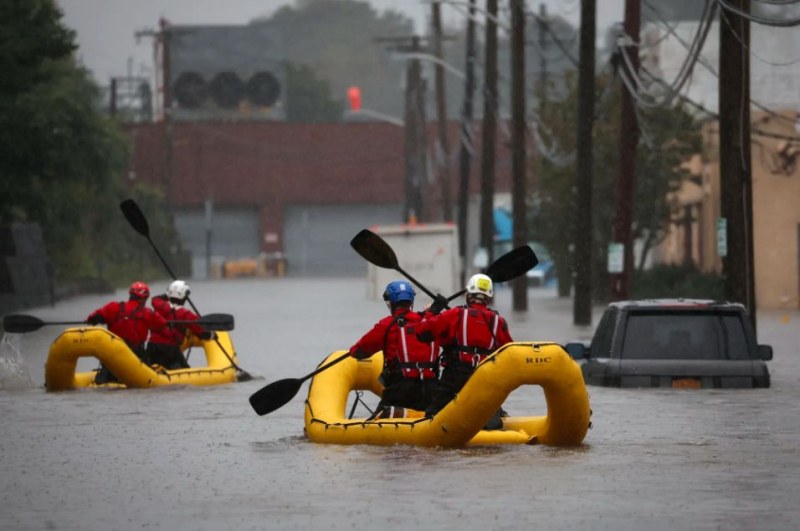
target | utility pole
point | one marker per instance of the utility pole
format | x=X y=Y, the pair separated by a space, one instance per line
x=518 y=157
x=414 y=137
x=629 y=138
x=489 y=131
x=541 y=22
x=465 y=154
x=582 y=303
x=441 y=114
x=734 y=158
x=161 y=54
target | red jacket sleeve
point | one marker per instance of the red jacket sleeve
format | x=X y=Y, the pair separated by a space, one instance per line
x=503 y=335
x=372 y=341
x=154 y=321
x=107 y=312
x=436 y=327
x=182 y=314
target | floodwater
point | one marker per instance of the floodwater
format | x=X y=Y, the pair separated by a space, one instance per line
x=200 y=458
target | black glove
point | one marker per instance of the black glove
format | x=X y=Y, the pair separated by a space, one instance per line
x=208 y=334
x=439 y=304
x=360 y=354
x=95 y=320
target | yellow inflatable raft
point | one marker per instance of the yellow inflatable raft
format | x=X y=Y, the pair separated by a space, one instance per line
x=74 y=343
x=460 y=422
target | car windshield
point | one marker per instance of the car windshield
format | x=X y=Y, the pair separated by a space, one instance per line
x=685 y=335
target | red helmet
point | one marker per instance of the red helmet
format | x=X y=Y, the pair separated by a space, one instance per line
x=139 y=290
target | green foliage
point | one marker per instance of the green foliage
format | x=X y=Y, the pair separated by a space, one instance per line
x=309 y=98
x=60 y=159
x=669 y=136
x=673 y=281
x=337 y=42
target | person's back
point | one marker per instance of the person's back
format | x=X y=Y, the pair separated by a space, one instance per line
x=131 y=320
x=164 y=348
x=467 y=335
x=410 y=366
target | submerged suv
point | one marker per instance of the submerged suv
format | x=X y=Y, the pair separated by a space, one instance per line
x=674 y=343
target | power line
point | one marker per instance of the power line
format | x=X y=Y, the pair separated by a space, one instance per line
x=778 y=23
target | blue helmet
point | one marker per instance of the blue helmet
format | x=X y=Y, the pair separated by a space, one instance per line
x=399 y=290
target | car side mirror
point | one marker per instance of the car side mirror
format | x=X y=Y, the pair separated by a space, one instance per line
x=765 y=352
x=578 y=351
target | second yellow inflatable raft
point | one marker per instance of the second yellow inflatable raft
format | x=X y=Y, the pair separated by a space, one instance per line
x=113 y=352
x=460 y=422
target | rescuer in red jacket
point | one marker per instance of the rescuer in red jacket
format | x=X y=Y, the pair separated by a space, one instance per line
x=411 y=367
x=164 y=347
x=132 y=321
x=467 y=335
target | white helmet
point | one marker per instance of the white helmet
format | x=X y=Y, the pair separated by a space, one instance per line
x=178 y=290
x=480 y=284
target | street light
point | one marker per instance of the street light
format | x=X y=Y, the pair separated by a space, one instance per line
x=354 y=96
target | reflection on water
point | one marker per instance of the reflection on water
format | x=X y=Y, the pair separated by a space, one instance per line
x=199 y=458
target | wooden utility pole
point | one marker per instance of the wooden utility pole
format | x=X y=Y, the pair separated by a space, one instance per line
x=541 y=22
x=518 y=157
x=489 y=131
x=628 y=141
x=465 y=154
x=441 y=115
x=414 y=138
x=734 y=158
x=582 y=303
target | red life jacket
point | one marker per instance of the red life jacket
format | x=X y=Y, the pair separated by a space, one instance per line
x=130 y=323
x=175 y=333
x=479 y=331
x=402 y=350
x=395 y=335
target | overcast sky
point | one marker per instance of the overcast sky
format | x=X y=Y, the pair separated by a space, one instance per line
x=105 y=28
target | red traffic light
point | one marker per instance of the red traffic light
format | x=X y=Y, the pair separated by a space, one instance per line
x=354 y=95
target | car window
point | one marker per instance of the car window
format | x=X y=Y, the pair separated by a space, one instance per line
x=604 y=334
x=684 y=335
x=737 y=340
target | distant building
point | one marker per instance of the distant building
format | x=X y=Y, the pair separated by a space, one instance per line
x=775 y=91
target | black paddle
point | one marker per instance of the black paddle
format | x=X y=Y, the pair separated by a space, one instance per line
x=21 y=324
x=376 y=251
x=514 y=263
x=373 y=248
x=275 y=395
x=136 y=218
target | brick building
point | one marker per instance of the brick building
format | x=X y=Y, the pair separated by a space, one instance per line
x=299 y=189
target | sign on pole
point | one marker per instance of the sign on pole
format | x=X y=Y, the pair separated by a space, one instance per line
x=722 y=237
x=616 y=257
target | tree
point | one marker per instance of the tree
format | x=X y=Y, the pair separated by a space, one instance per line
x=669 y=137
x=337 y=41
x=309 y=98
x=61 y=160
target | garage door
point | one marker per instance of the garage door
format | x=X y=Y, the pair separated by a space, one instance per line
x=234 y=234
x=316 y=238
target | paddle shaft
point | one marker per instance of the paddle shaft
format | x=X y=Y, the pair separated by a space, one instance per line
x=278 y=393
x=136 y=218
x=20 y=324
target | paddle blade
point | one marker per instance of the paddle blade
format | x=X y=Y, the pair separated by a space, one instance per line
x=20 y=324
x=135 y=217
x=275 y=395
x=216 y=321
x=514 y=263
x=374 y=249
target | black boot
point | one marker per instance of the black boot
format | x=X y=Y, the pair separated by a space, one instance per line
x=496 y=422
